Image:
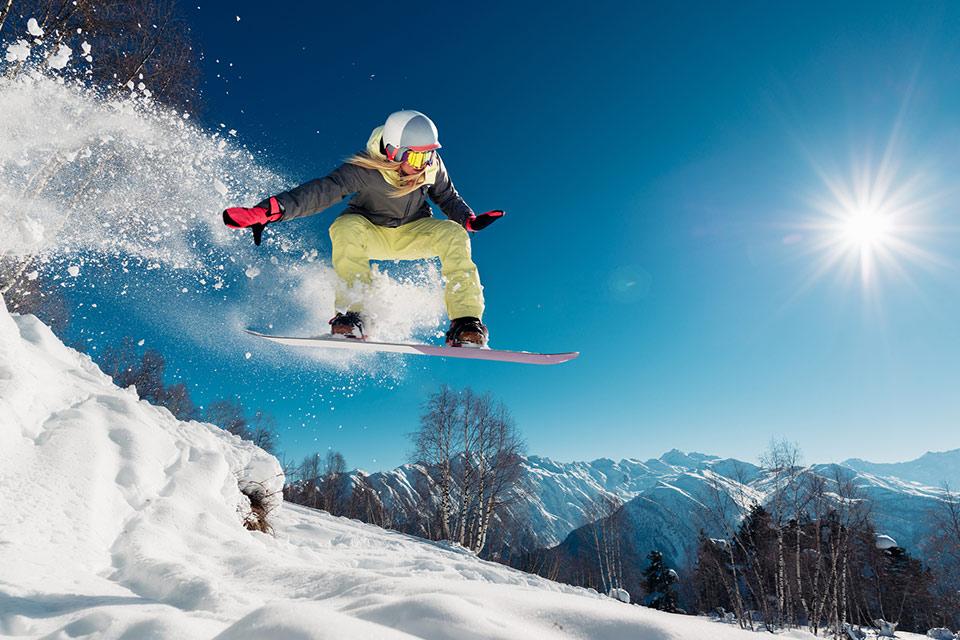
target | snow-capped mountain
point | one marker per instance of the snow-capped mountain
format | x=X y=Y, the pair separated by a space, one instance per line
x=558 y=497
x=667 y=499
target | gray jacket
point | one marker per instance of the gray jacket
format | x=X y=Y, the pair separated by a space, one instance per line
x=372 y=197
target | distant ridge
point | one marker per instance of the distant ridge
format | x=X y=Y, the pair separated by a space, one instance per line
x=932 y=469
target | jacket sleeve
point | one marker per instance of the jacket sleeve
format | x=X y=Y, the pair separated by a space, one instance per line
x=445 y=195
x=315 y=196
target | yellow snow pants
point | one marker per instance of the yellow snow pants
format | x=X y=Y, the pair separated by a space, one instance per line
x=356 y=241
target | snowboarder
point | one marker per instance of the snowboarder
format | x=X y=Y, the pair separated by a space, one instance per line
x=389 y=218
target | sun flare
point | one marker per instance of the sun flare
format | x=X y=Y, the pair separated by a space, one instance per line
x=868 y=226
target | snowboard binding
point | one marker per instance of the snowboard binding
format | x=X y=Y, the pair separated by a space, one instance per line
x=467 y=332
x=347 y=325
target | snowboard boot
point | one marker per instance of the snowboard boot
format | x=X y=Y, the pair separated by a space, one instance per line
x=467 y=332
x=347 y=325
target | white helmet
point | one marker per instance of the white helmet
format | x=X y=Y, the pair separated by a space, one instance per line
x=409 y=130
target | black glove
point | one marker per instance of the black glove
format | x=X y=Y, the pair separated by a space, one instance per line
x=484 y=220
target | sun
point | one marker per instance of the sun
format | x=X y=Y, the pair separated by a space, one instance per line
x=867 y=229
x=869 y=225
x=864 y=235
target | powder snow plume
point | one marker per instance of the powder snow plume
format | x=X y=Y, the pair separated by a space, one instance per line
x=121 y=192
x=117 y=176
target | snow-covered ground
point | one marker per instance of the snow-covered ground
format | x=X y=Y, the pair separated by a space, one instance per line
x=121 y=522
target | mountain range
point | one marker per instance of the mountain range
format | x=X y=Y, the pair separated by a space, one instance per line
x=667 y=500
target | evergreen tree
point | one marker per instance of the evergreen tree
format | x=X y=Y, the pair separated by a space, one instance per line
x=659 y=581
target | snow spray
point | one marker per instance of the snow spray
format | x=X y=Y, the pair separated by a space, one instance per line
x=119 y=194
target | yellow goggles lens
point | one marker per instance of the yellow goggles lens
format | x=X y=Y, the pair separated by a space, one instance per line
x=418 y=159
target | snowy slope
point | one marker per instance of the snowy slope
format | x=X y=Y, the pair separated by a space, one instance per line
x=121 y=522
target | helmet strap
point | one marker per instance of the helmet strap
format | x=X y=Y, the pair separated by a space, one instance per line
x=388 y=151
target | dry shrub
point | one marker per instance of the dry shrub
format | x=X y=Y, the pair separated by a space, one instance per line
x=256 y=518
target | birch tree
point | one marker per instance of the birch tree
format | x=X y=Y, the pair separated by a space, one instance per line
x=471 y=447
x=782 y=460
x=434 y=447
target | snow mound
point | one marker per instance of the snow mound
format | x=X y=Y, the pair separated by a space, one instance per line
x=109 y=494
x=885 y=542
x=122 y=522
x=620 y=594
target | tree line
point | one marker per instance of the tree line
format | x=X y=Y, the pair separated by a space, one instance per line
x=811 y=556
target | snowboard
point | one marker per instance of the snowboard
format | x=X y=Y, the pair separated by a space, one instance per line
x=467 y=353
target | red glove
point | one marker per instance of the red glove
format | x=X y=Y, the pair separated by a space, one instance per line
x=482 y=221
x=256 y=218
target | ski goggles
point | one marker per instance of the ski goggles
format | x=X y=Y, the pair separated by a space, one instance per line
x=416 y=158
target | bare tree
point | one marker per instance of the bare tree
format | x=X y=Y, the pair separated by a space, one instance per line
x=305 y=487
x=5 y=12
x=721 y=513
x=136 y=41
x=467 y=414
x=499 y=449
x=263 y=431
x=471 y=450
x=782 y=461
x=333 y=488
x=945 y=529
x=119 y=361
x=434 y=447
x=229 y=416
x=606 y=516
x=366 y=505
x=34 y=295
x=146 y=374
x=176 y=398
x=943 y=548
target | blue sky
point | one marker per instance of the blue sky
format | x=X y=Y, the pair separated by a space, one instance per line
x=660 y=166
